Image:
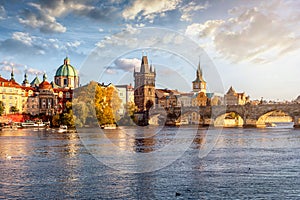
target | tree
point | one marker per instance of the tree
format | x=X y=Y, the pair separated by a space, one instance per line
x=13 y=109
x=2 y=108
x=80 y=110
x=56 y=120
x=107 y=104
x=128 y=118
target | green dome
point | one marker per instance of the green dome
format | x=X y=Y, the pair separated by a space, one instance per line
x=66 y=69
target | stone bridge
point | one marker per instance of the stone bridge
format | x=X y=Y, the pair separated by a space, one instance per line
x=252 y=115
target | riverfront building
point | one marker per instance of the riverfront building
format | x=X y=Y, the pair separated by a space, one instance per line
x=39 y=97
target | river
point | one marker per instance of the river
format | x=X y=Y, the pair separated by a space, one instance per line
x=242 y=163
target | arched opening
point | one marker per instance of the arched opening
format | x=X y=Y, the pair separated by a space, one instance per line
x=229 y=119
x=275 y=118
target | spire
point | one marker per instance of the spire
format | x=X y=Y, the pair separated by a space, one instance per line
x=45 y=77
x=199 y=73
x=25 y=79
x=12 y=75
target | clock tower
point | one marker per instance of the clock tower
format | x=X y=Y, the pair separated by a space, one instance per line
x=199 y=84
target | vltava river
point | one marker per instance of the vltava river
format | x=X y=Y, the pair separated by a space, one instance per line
x=244 y=163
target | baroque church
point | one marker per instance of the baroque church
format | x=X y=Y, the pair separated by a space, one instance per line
x=40 y=97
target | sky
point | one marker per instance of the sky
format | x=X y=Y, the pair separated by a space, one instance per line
x=253 y=45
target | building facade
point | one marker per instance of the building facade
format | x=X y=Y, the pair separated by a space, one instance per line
x=234 y=98
x=36 y=97
x=144 y=86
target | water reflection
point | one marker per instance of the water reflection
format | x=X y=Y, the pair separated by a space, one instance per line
x=245 y=163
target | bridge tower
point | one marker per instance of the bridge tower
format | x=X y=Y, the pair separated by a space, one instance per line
x=144 y=86
x=199 y=84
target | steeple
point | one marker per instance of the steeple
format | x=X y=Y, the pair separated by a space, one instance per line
x=45 y=77
x=199 y=84
x=12 y=75
x=199 y=76
x=25 y=82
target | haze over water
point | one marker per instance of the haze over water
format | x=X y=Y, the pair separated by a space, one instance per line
x=245 y=163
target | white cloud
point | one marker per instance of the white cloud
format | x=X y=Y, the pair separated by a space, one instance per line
x=73 y=44
x=258 y=34
x=149 y=9
x=2 y=13
x=127 y=64
x=25 y=38
x=188 y=10
x=34 y=71
x=101 y=30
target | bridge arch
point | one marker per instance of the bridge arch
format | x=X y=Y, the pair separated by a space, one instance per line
x=229 y=119
x=272 y=116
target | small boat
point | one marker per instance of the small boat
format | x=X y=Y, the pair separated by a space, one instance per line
x=31 y=124
x=63 y=128
x=109 y=126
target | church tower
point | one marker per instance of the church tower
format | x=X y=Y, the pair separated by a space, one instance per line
x=199 y=84
x=144 y=86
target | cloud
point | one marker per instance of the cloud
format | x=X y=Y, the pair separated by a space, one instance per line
x=188 y=9
x=43 y=14
x=2 y=13
x=41 y=20
x=110 y=71
x=126 y=64
x=73 y=44
x=23 y=37
x=148 y=10
x=258 y=34
x=101 y=30
x=33 y=71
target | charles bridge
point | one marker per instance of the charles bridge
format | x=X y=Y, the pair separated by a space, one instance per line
x=252 y=115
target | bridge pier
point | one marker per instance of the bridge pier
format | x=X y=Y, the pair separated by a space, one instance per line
x=296 y=121
x=250 y=123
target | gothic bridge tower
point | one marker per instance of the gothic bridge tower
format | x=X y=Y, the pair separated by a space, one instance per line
x=144 y=86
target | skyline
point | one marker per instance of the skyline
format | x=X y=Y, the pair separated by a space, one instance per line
x=253 y=45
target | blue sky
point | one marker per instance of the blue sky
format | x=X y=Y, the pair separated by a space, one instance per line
x=252 y=45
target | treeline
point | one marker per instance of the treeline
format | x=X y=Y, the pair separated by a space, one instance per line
x=94 y=105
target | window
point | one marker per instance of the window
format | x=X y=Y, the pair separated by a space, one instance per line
x=65 y=81
x=3 y=96
x=68 y=95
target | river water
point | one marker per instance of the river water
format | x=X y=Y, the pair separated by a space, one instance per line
x=244 y=163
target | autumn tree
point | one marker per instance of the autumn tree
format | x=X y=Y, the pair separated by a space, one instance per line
x=1 y=107
x=107 y=104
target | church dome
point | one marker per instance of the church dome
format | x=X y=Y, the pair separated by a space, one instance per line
x=66 y=69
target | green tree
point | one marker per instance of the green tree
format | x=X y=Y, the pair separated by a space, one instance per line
x=81 y=111
x=13 y=109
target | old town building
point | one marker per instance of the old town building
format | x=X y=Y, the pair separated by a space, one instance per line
x=234 y=98
x=36 y=97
